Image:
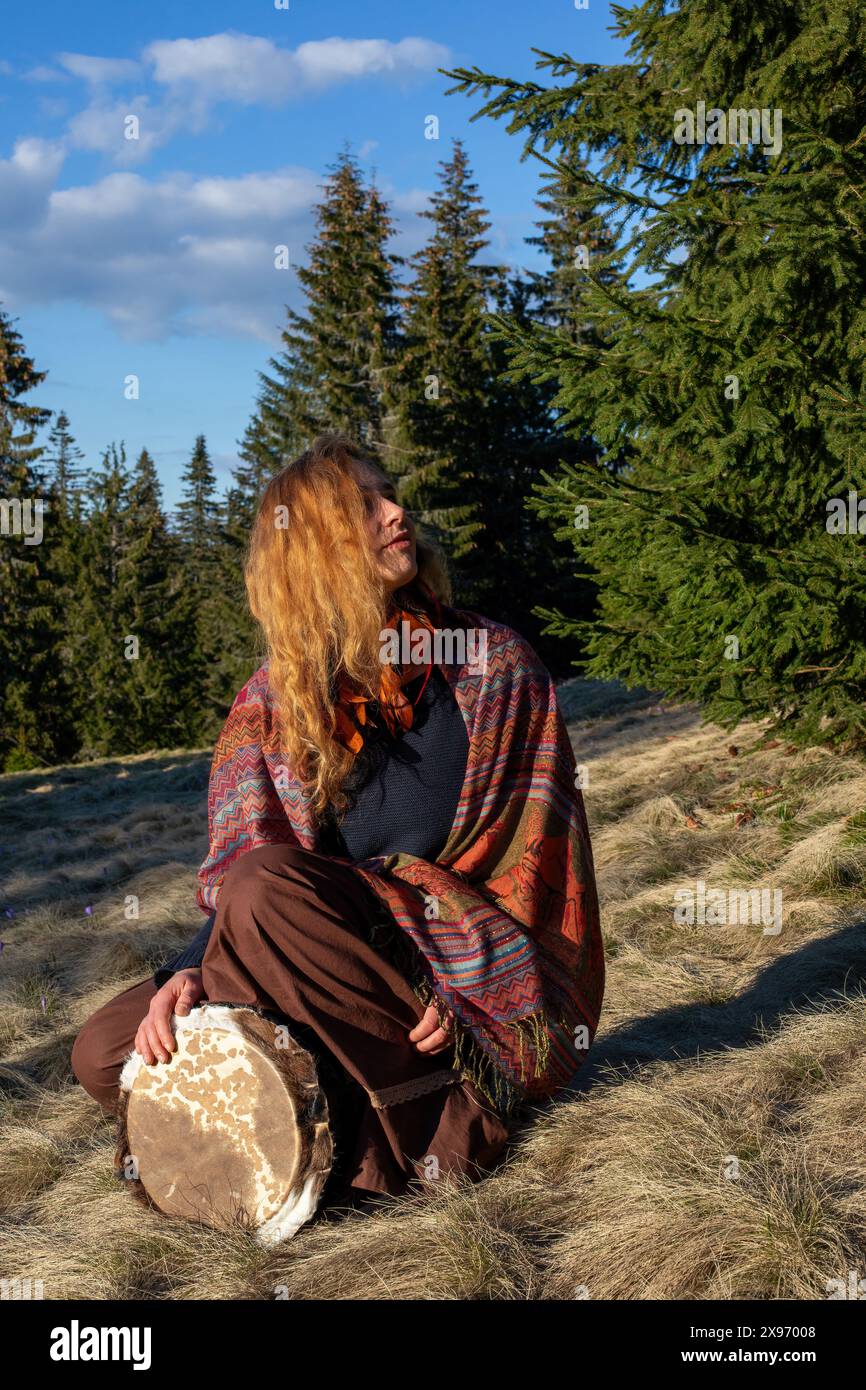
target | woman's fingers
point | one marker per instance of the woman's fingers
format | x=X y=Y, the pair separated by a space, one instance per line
x=149 y=1049
x=188 y=997
x=429 y=1035
x=426 y=1026
x=163 y=1027
x=191 y=991
x=155 y=1042
x=142 y=1046
x=435 y=1043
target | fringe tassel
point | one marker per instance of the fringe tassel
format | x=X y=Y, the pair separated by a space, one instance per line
x=470 y=1058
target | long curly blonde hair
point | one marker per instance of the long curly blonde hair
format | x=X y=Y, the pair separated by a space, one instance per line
x=314 y=588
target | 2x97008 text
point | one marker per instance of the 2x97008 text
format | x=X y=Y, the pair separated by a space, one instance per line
x=719 y=1333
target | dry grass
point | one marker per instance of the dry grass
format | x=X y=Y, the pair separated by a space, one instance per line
x=713 y=1144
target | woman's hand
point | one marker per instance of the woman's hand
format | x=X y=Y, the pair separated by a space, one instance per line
x=428 y=1035
x=154 y=1040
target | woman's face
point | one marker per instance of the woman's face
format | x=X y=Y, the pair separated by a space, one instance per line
x=390 y=529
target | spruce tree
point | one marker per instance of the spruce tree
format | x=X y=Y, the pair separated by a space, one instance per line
x=131 y=614
x=65 y=488
x=573 y=238
x=240 y=649
x=338 y=354
x=197 y=512
x=99 y=653
x=730 y=160
x=200 y=616
x=240 y=643
x=30 y=693
x=445 y=445
x=527 y=564
x=153 y=589
x=63 y=462
x=474 y=440
x=19 y=420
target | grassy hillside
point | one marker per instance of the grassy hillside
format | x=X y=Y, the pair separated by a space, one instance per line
x=713 y=1146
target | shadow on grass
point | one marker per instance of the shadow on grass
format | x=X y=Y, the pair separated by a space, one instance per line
x=816 y=976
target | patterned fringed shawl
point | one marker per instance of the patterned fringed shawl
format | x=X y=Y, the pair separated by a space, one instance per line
x=506 y=923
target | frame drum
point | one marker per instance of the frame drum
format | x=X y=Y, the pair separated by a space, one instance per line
x=233 y=1130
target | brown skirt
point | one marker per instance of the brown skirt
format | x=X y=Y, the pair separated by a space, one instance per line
x=292 y=935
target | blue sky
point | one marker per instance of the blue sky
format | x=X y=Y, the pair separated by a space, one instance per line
x=154 y=256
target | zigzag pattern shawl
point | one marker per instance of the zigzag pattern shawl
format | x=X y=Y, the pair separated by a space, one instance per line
x=506 y=923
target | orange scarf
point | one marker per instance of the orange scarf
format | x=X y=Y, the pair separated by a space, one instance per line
x=397 y=710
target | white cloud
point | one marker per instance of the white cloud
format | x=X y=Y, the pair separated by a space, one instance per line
x=228 y=67
x=192 y=76
x=26 y=181
x=254 y=71
x=179 y=256
x=102 y=126
x=99 y=71
x=35 y=158
x=326 y=61
x=43 y=73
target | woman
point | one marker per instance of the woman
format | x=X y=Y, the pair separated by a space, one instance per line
x=399 y=861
